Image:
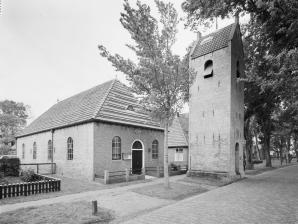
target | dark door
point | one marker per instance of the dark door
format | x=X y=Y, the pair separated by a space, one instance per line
x=137 y=161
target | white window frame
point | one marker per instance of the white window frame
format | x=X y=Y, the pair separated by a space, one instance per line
x=179 y=155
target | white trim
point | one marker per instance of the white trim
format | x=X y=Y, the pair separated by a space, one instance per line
x=143 y=154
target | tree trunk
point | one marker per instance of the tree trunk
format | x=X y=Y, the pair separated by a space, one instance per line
x=248 y=145
x=288 y=148
x=296 y=147
x=249 y=164
x=166 y=161
x=267 y=148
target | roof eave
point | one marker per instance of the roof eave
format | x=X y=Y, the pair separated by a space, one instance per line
x=129 y=123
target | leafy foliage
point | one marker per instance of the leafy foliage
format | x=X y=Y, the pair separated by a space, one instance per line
x=160 y=77
x=13 y=118
x=270 y=44
x=29 y=175
x=10 y=166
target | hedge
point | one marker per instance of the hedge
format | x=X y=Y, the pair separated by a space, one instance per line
x=10 y=166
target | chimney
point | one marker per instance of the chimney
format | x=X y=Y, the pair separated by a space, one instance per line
x=237 y=18
x=199 y=35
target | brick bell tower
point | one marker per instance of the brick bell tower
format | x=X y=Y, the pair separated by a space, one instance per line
x=216 y=117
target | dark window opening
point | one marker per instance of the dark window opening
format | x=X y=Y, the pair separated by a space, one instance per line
x=208 y=69
x=130 y=107
x=137 y=145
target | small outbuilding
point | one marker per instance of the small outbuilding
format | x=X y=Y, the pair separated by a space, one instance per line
x=178 y=141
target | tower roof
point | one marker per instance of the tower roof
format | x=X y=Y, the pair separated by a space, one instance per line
x=111 y=101
x=214 y=41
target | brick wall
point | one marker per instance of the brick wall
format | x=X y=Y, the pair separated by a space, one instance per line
x=210 y=110
x=41 y=140
x=82 y=164
x=216 y=112
x=103 y=135
x=237 y=101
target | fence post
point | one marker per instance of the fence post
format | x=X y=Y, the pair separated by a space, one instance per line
x=94 y=207
x=37 y=168
x=127 y=175
x=106 y=177
x=157 y=171
x=9 y=190
x=25 y=189
x=0 y=192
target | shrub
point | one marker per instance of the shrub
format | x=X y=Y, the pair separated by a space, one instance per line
x=10 y=166
x=29 y=175
x=173 y=167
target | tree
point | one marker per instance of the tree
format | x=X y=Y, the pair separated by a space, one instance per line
x=270 y=44
x=160 y=77
x=13 y=117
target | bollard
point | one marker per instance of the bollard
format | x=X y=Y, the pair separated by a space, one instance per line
x=126 y=175
x=106 y=177
x=94 y=207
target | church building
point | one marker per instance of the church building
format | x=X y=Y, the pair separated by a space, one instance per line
x=216 y=119
x=103 y=128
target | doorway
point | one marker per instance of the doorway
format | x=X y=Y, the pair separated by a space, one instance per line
x=137 y=157
x=237 y=158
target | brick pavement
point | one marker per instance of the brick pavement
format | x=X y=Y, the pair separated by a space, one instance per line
x=271 y=197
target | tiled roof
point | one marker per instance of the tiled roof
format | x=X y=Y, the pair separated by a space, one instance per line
x=184 y=122
x=176 y=137
x=214 y=41
x=106 y=102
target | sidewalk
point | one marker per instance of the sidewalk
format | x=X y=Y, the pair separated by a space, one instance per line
x=103 y=196
x=270 y=197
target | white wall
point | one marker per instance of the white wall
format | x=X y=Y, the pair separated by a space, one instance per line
x=82 y=164
x=41 y=140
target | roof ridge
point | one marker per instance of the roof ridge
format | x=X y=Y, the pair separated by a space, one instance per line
x=216 y=31
x=182 y=130
x=104 y=99
x=84 y=91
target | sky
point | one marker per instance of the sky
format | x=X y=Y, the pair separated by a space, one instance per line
x=48 y=48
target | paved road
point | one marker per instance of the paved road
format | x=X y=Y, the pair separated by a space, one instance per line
x=271 y=197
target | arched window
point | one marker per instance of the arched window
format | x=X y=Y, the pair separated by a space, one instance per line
x=208 y=69
x=50 y=147
x=34 y=150
x=69 y=149
x=116 y=148
x=23 y=151
x=137 y=145
x=155 y=149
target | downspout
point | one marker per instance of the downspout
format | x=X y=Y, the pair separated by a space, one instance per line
x=52 y=152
